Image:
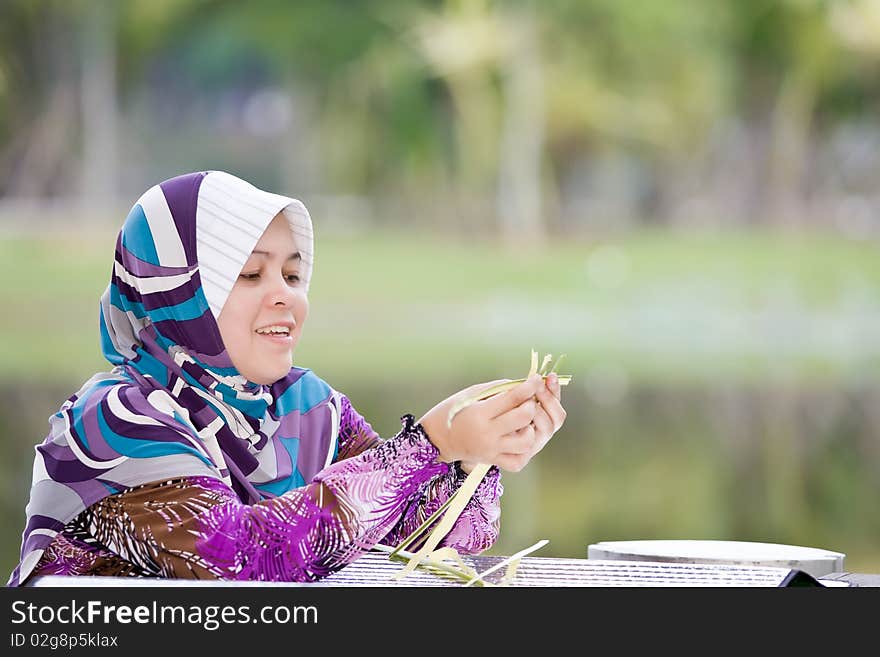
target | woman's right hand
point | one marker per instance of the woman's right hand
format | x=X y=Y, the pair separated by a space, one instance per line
x=497 y=430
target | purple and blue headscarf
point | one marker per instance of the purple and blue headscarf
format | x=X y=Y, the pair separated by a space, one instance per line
x=174 y=405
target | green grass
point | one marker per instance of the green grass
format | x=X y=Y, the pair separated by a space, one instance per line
x=654 y=305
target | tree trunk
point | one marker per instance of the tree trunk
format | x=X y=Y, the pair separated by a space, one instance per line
x=791 y=134
x=99 y=110
x=519 y=205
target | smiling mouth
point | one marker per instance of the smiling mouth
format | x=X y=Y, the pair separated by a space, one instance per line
x=279 y=341
x=274 y=331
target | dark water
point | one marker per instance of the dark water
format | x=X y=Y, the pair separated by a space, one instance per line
x=792 y=464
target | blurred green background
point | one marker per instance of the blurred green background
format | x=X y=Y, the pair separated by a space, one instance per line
x=681 y=196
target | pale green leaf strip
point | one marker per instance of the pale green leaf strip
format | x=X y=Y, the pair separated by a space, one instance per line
x=556 y=364
x=447 y=553
x=497 y=389
x=430 y=565
x=510 y=573
x=514 y=557
x=543 y=370
x=485 y=394
x=451 y=554
x=427 y=523
x=461 y=497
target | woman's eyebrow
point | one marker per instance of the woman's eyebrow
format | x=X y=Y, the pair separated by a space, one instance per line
x=292 y=256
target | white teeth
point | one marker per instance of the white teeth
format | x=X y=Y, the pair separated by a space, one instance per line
x=267 y=330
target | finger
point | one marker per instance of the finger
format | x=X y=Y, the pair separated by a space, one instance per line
x=515 y=418
x=549 y=404
x=512 y=462
x=541 y=440
x=521 y=441
x=544 y=426
x=553 y=385
x=544 y=430
x=509 y=400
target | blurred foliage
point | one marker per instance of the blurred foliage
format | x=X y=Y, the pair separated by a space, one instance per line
x=409 y=97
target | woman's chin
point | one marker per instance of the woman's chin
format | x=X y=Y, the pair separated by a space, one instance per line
x=268 y=377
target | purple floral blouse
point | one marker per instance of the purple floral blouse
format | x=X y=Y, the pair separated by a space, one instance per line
x=376 y=491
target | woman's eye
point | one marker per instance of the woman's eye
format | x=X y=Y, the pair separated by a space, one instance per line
x=290 y=278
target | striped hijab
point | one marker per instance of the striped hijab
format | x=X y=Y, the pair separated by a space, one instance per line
x=174 y=405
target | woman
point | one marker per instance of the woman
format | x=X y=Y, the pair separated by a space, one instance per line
x=204 y=454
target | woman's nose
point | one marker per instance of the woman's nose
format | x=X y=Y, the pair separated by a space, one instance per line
x=281 y=293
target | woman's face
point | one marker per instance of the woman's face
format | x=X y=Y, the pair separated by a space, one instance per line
x=263 y=317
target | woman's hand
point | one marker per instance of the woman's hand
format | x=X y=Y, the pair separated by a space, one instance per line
x=549 y=417
x=506 y=430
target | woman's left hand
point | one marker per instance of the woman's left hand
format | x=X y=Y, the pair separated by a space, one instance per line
x=548 y=420
x=551 y=415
